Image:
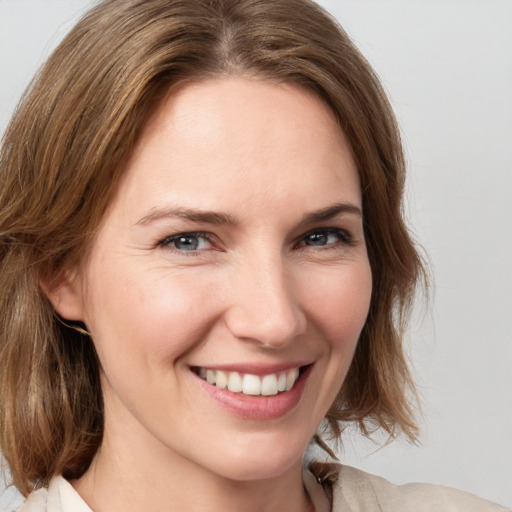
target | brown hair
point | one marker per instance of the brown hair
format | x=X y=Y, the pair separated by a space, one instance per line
x=61 y=160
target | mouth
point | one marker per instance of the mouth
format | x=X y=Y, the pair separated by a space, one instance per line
x=250 y=384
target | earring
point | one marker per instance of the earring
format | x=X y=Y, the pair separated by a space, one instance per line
x=76 y=328
x=80 y=330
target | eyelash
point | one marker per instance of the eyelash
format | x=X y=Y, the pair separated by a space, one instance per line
x=343 y=236
x=166 y=242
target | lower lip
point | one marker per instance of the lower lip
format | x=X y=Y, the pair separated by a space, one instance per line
x=258 y=407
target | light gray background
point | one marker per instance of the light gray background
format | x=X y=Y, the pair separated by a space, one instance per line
x=447 y=65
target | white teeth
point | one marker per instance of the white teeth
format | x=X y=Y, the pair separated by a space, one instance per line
x=269 y=385
x=235 y=382
x=291 y=377
x=249 y=384
x=252 y=385
x=281 y=382
x=221 y=380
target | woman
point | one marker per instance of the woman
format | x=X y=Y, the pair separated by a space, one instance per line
x=204 y=258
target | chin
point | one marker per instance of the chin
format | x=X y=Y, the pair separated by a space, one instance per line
x=263 y=461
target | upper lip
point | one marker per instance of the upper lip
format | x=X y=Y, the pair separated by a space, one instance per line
x=254 y=368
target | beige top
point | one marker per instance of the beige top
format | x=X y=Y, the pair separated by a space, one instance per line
x=351 y=491
x=356 y=491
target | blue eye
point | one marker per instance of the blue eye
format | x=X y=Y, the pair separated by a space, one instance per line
x=326 y=237
x=187 y=242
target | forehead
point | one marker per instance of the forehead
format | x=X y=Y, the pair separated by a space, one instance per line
x=244 y=138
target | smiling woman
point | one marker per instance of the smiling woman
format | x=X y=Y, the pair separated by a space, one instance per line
x=204 y=258
x=246 y=300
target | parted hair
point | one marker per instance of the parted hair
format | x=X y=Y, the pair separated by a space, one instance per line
x=61 y=159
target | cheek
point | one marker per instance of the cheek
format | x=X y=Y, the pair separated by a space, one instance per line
x=340 y=303
x=158 y=314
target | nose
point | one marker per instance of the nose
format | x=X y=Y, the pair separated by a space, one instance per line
x=264 y=306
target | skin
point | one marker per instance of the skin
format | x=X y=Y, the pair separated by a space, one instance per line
x=262 y=287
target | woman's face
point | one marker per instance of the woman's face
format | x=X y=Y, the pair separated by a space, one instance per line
x=232 y=255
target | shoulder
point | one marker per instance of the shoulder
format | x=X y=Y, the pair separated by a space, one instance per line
x=355 y=490
x=58 y=497
x=35 y=502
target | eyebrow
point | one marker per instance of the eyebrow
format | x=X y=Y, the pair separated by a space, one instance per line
x=224 y=219
x=331 y=212
x=190 y=214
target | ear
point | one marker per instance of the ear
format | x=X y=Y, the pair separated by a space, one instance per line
x=65 y=292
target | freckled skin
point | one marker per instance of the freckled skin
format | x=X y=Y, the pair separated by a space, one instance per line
x=264 y=289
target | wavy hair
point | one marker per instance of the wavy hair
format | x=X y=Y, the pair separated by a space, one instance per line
x=60 y=163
